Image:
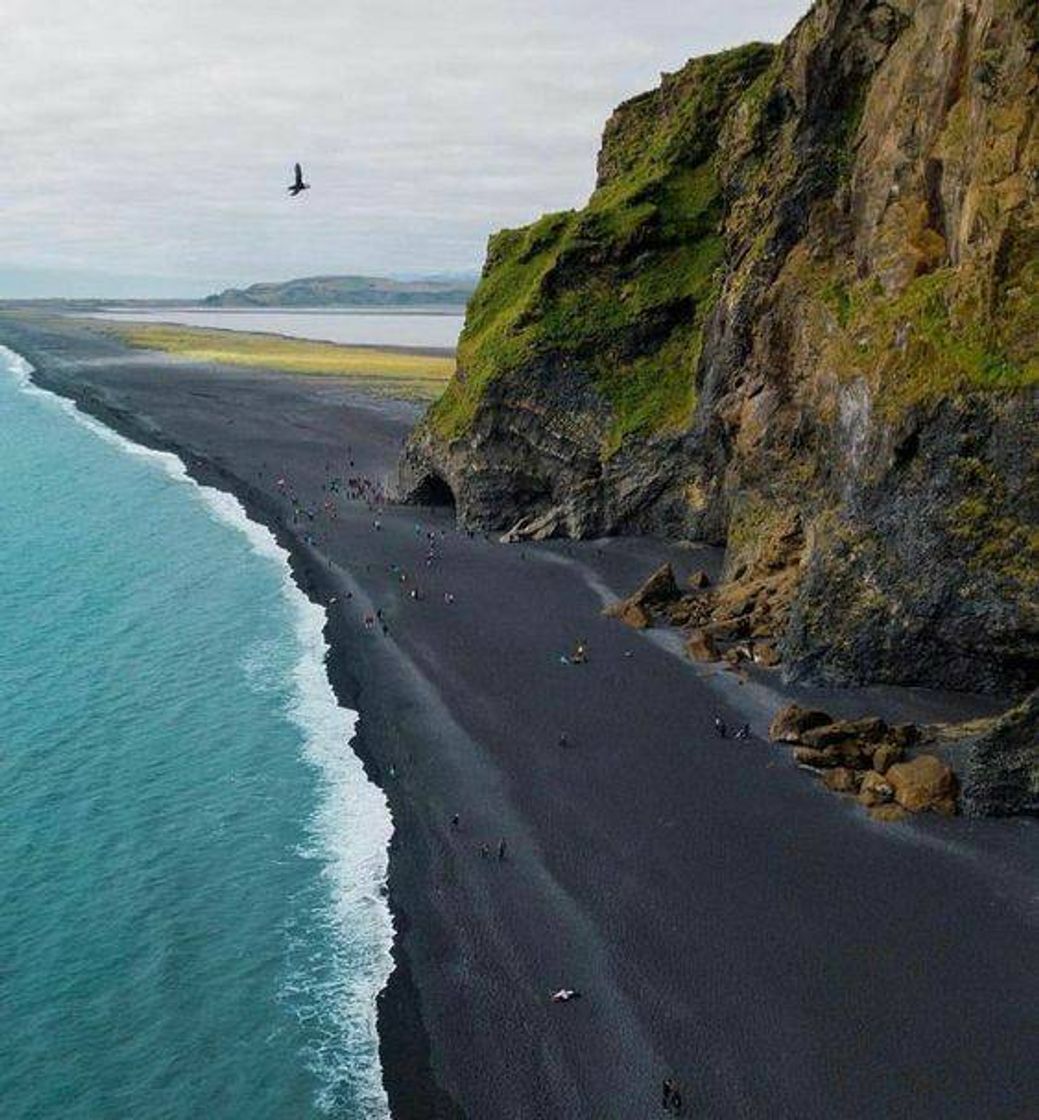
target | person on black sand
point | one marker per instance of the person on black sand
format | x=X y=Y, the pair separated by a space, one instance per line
x=298 y=186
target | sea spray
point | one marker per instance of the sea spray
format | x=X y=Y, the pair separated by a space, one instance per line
x=348 y=833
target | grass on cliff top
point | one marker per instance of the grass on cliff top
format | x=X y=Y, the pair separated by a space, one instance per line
x=388 y=372
x=620 y=290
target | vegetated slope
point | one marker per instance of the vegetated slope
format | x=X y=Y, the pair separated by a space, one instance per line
x=345 y=291
x=802 y=305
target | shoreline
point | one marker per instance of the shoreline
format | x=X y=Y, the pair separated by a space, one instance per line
x=403 y=1041
x=399 y=702
x=309 y=626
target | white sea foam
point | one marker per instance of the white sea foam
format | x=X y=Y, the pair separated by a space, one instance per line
x=352 y=825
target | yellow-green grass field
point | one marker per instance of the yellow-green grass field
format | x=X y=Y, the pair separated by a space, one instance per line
x=389 y=372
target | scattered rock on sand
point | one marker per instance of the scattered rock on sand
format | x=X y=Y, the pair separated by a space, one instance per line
x=924 y=783
x=865 y=756
x=791 y=722
x=701 y=646
x=655 y=594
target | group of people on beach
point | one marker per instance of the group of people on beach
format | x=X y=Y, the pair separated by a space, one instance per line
x=722 y=731
x=360 y=488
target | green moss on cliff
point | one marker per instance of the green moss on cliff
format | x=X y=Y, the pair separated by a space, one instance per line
x=935 y=338
x=940 y=341
x=616 y=294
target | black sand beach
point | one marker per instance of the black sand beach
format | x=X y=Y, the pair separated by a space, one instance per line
x=727 y=921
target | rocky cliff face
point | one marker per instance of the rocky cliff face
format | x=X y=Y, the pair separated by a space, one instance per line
x=1002 y=766
x=806 y=286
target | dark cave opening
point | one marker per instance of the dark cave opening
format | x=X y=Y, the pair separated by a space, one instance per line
x=434 y=490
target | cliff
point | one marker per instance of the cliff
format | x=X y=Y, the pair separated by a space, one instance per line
x=799 y=316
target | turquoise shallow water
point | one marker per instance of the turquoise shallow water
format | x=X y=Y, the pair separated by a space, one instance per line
x=191 y=860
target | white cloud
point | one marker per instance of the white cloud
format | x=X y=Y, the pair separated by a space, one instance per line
x=155 y=137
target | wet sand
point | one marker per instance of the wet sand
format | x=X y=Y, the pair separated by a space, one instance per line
x=728 y=921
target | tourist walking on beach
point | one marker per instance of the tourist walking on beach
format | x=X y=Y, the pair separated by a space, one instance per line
x=501 y=848
x=719 y=726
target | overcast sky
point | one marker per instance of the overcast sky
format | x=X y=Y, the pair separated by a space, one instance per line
x=147 y=144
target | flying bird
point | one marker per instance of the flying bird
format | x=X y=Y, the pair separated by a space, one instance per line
x=298 y=185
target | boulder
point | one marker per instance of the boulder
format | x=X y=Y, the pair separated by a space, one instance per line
x=655 y=594
x=845 y=731
x=659 y=590
x=699 y=580
x=791 y=722
x=842 y=780
x=924 y=783
x=875 y=790
x=766 y=654
x=857 y=756
x=849 y=755
x=809 y=756
x=886 y=755
x=701 y=646
x=631 y=614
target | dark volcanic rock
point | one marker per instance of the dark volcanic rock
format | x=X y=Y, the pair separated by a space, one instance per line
x=1001 y=776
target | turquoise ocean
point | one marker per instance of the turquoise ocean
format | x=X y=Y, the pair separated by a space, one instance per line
x=192 y=862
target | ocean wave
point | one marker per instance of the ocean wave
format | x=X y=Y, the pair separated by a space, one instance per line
x=352 y=826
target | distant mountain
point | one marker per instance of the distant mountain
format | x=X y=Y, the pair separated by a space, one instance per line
x=347 y=291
